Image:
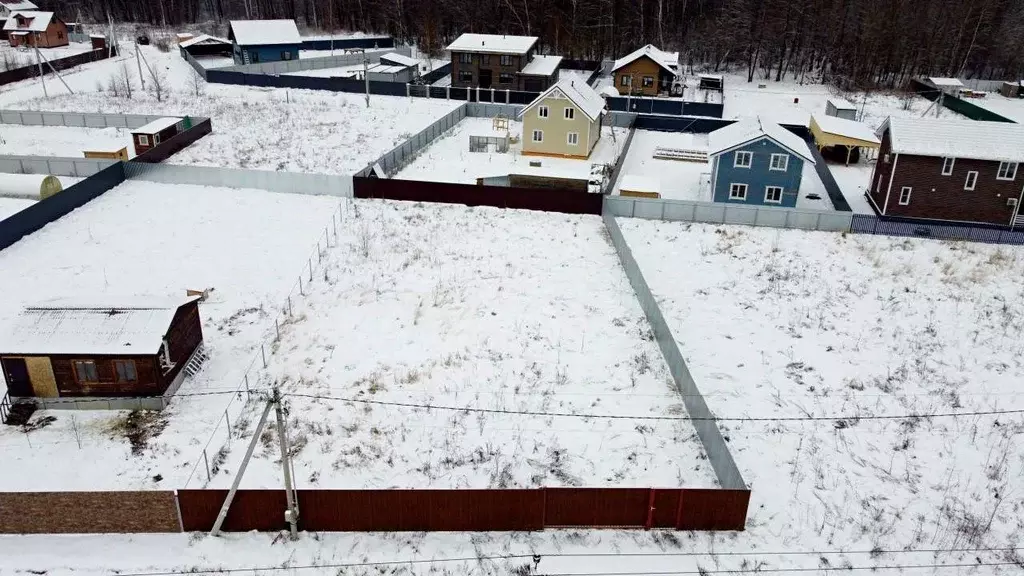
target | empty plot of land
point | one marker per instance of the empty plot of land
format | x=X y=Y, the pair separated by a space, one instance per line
x=1012 y=108
x=145 y=239
x=506 y=311
x=11 y=206
x=17 y=57
x=65 y=141
x=797 y=324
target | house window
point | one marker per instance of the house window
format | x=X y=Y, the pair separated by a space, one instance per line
x=972 y=180
x=773 y=195
x=947 y=166
x=625 y=80
x=1007 y=171
x=85 y=371
x=737 y=191
x=485 y=58
x=506 y=60
x=538 y=135
x=286 y=55
x=156 y=139
x=465 y=76
x=542 y=111
x=570 y=113
x=465 y=58
x=125 y=370
x=60 y=35
x=885 y=158
x=905 y=195
x=505 y=78
x=743 y=160
x=648 y=81
x=780 y=162
x=572 y=138
x=143 y=140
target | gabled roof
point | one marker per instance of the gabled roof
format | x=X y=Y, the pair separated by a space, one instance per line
x=38 y=21
x=745 y=131
x=977 y=140
x=137 y=326
x=841 y=104
x=13 y=5
x=542 y=66
x=204 y=39
x=582 y=95
x=946 y=82
x=492 y=44
x=843 y=128
x=263 y=32
x=399 y=59
x=667 y=60
x=156 y=126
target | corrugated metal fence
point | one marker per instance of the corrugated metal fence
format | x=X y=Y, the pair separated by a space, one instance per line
x=75 y=119
x=566 y=201
x=32 y=71
x=283 y=182
x=721 y=213
x=78 y=167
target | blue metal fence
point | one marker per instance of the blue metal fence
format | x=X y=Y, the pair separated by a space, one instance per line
x=349 y=43
x=863 y=224
x=662 y=106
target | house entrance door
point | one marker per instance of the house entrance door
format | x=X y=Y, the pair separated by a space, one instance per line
x=485 y=78
x=16 y=373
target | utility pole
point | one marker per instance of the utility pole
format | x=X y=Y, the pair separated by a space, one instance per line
x=366 y=76
x=292 y=513
x=39 y=60
x=938 y=103
x=50 y=64
x=138 y=60
x=241 y=470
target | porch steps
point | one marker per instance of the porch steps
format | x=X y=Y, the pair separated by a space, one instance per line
x=16 y=412
x=1018 y=221
x=196 y=361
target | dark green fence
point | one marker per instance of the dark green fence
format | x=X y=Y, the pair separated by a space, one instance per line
x=958 y=105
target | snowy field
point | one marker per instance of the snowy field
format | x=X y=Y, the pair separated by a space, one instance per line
x=448 y=158
x=11 y=206
x=254 y=128
x=794 y=324
x=19 y=57
x=155 y=239
x=1012 y=108
x=502 y=310
x=64 y=141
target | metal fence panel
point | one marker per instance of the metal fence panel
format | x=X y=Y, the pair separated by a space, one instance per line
x=741 y=215
x=709 y=212
x=602 y=507
x=283 y=182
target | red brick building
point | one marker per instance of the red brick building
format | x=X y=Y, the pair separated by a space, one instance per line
x=953 y=170
x=40 y=29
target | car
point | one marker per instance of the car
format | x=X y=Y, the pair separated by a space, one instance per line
x=142 y=40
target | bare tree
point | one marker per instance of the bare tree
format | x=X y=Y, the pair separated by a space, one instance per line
x=157 y=82
x=122 y=82
x=197 y=83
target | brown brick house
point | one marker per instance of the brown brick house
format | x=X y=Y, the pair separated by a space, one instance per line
x=647 y=71
x=501 y=62
x=41 y=29
x=960 y=171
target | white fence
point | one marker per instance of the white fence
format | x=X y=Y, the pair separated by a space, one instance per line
x=91 y=120
x=78 y=167
x=337 y=61
x=283 y=182
x=721 y=213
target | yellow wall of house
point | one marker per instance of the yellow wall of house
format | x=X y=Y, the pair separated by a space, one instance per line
x=823 y=138
x=556 y=129
x=636 y=70
x=40 y=372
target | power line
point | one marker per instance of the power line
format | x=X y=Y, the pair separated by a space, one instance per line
x=785 y=570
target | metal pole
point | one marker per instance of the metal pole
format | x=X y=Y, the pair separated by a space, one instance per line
x=138 y=59
x=241 y=470
x=291 y=514
x=277 y=327
x=228 y=420
x=366 y=76
x=39 y=60
x=263 y=352
x=207 y=462
x=309 y=262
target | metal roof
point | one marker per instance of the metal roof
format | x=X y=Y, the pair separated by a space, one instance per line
x=744 y=131
x=158 y=125
x=580 y=93
x=974 y=139
x=264 y=32
x=39 y=21
x=845 y=128
x=542 y=66
x=667 y=60
x=492 y=44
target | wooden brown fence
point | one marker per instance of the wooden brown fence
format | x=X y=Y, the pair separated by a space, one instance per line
x=567 y=201
x=136 y=512
x=32 y=70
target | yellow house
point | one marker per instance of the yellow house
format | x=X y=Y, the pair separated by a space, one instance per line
x=563 y=121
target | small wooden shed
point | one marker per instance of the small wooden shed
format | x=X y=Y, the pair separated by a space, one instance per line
x=152 y=134
x=108 y=154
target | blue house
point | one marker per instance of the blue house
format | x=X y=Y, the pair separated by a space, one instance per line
x=758 y=163
x=255 y=41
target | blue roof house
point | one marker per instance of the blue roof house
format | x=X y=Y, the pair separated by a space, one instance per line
x=255 y=41
x=757 y=163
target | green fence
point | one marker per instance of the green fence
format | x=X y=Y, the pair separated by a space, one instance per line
x=958 y=105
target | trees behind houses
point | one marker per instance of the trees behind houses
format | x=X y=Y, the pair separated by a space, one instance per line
x=853 y=42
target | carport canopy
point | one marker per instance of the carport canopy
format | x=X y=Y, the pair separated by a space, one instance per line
x=830 y=131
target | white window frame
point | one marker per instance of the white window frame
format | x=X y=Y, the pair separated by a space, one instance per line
x=972 y=181
x=143 y=140
x=908 y=190
x=538 y=133
x=1010 y=176
x=734 y=186
x=542 y=112
x=569 y=138
x=885 y=158
x=785 y=163
x=768 y=189
x=745 y=154
x=569 y=113
x=947 y=166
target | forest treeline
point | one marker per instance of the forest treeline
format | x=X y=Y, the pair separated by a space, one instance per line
x=855 y=43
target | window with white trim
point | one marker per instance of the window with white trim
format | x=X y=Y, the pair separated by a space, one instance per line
x=885 y=158
x=972 y=180
x=506 y=60
x=947 y=166
x=570 y=113
x=780 y=162
x=625 y=80
x=773 y=195
x=465 y=76
x=465 y=58
x=743 y=160
x=737 y=191
x=538 y=135
x=572 y=138
x=905 y=195
x=542 y=111
x=143 y=140
x=1007 y=171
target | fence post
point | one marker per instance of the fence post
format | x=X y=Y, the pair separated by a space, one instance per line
x=263 y=353
x=228 y=420
x=817 y=222
x=650 y=510
x=448 y=92
x=289 y=305
x=300 y=286
x=309 y=262
x=407 y=93
x=207 y=462
x=277 y=329
x=247 y=383
x=508 y=96
x=786 y=223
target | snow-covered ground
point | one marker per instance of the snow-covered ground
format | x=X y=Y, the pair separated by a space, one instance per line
x=19 y=57
x=11 y=206
x=65 y=141
x=255 y=128
x=495 y=309
x=793 y=324
x=1012 y=108
x=155 y=239
x=853 y=181
x=448 y=158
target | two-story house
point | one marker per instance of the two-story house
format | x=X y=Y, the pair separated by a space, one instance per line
x=955 y=170
x=648 y=71
x=255 y=41
x=8 y=7
x=41 y=29
x=757 y=162
x=564 y=121
x=501 y=62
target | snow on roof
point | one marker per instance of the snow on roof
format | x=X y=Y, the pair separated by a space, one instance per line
x=542 y=66
x=38 y=21
x=974 y=139
x=18 y=5
x=204 y=39
x=385 y=69
x=711 y=76
x=841 y=104
x=846 y=128
x=399 y=59
x=667 y=60
x=493 y=44
x=158 y=125
x=744 y=131
x=946 y=82
x=580 y=93
x=637 y=183
x=264 y=32
x=133 y=326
